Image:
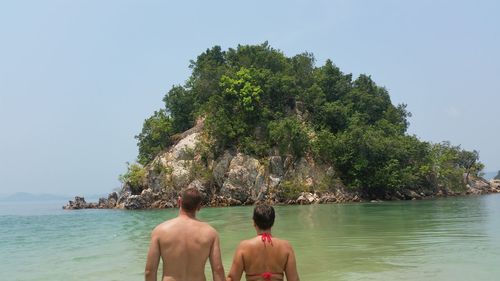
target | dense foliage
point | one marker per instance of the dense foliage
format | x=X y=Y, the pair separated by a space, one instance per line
x=255 y=99
x=155 y=136
x=135 y=177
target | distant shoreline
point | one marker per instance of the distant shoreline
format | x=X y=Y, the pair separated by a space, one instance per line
x=38 y=197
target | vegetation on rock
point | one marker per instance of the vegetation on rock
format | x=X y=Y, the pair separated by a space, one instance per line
x=135 y=177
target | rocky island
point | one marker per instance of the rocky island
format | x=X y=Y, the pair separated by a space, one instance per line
x=253 y=125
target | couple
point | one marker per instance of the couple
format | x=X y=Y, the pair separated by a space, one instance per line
x=185 y=243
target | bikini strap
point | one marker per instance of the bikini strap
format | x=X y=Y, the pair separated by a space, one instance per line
x=266 y=237
x=266 y=275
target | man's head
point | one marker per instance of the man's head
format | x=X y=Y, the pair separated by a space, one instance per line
x=263 y=216
x=191 y=199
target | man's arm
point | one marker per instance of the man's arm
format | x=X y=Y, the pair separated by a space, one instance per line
x=291 y=266
x=237 y=266
x=216 y=260
x=153 y=258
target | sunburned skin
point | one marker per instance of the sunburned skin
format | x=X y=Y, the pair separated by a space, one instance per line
x=184 y=244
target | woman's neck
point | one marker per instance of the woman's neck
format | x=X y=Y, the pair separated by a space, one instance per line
x=260 y=231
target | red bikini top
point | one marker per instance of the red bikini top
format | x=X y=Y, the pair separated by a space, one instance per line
x=266 y=237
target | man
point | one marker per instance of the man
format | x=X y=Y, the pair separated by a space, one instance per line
x=184 y=244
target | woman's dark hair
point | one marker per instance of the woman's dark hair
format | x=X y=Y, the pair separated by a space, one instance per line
x=263 y=216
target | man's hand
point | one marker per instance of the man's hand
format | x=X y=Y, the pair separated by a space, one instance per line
x=216 y=260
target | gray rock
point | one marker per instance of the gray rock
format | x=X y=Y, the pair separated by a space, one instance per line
x=184 y=148
x=180 y=173
x=273 y=181
x=125 y=192
x=102 y=203
x=306 y=198
x=242 y=178
x=328 y=198
x=221 y=167
x=112 y=200
x=79 y=203
x=260 y=187
x=134 y=202
x=276 y=166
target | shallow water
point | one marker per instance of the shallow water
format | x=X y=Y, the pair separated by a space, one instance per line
x=445 y=239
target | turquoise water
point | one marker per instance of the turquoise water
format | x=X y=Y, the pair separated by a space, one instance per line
x=446 y=239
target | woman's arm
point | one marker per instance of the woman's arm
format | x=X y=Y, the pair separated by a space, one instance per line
x=291 y=266
x=238 y=265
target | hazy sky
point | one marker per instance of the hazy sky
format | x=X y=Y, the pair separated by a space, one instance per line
x=77 y=78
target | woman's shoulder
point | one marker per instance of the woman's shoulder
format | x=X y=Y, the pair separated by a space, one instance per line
x=249 y=241
x=282 y=243
x=245 y=245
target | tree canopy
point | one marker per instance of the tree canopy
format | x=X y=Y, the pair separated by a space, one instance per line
x=254 y=99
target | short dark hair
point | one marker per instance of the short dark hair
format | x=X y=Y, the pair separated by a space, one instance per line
x=191 y=199
x=263 y=216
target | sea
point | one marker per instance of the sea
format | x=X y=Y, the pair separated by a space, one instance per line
x=440 y=239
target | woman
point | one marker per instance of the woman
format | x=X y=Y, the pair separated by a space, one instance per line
x=264 y=257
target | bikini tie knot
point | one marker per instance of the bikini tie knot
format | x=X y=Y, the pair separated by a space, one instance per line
x=266 y=237
x=267 y=275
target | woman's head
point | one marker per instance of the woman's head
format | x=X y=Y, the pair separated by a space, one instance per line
x=263 y=216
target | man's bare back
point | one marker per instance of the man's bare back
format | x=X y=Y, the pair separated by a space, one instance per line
x=184 y=244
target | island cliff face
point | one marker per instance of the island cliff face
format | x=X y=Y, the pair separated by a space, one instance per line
x=251 y=125
x=237 y=179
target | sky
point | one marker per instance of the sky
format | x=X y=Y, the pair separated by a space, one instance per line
x=78 y=78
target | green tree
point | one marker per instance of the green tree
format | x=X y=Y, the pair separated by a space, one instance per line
x=335 y=84
x=243 y=89
x=135 y=177
x=290 y=135
x=180 y=104
x=206 y=73
x=154 y=137
x=444 y=168
x=232 y=114
x=469 y=161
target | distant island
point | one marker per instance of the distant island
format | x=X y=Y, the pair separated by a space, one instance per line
x=30 y=197
x=490 y=175
x=251 y=124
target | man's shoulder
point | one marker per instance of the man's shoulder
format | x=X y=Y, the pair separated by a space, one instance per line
x=208 y=228
x=164 y=226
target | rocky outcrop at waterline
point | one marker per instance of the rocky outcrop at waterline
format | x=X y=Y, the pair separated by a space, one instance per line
x=148 y=199
x=235 y=178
